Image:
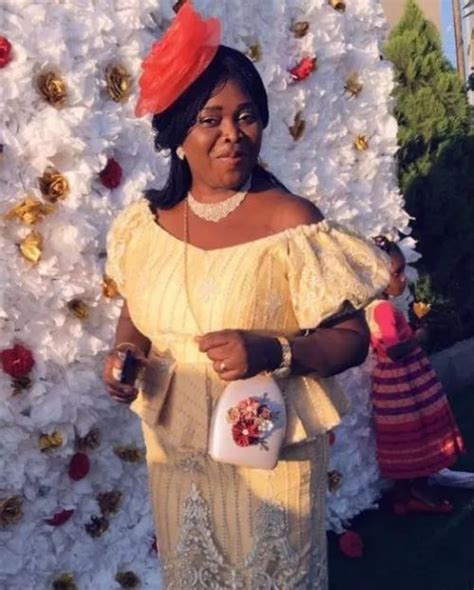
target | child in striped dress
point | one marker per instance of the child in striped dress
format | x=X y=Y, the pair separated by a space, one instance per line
x=416 y=433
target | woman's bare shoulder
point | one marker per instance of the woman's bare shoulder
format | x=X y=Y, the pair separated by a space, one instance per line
x=289 y=210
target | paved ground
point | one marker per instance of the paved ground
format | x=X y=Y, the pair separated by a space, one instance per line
x=422 y=552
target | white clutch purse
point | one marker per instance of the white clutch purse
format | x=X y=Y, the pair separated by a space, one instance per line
x=248 y=423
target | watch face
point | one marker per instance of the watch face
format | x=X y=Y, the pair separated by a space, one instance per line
x=285 y=355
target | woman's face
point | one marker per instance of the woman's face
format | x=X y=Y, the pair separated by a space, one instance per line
x=223 y=145
x=398 y=281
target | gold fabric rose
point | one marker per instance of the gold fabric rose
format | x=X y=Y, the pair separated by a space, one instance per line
x=334 y=480
x=97 y=526
x=109 y=287
x=31 y=247
x=353 y=85
x=50 y=442
x=254 y=52
x=90 y=441
x=109 y=502
x=338 y=5
x=20 y=384
x=119 y=82
x=361 y=143
x=52 y=88
x=298 y=127
x=10 y=510
x=53 y=185
x=130 y=454
x=128 y=580
x=29 y=211
x=300 y=28
x=64 y=581
x=78 y=308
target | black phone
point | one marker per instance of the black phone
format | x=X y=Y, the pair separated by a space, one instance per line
x=130 y=368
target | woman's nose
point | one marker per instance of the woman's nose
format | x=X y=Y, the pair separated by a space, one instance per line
x=231 y=130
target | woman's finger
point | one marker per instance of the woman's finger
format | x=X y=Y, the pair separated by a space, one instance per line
x=114 y=388
x=219 y=353
x=222 y=366
x=232 y=375
x=120 y=396
x=214 y=339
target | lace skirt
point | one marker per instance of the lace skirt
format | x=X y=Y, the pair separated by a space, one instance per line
x=224 y=527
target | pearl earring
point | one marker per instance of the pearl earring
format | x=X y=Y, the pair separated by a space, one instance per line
x=180 y=152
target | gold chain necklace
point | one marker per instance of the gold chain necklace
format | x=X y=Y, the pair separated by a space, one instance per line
x=186 y=286
x=216 y=211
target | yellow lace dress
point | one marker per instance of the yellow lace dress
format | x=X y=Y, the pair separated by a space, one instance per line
x=220 y=526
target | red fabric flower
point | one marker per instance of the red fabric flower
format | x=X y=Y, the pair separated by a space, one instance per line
x=351 y=544
x=5 y=52
x=245 y=433
x=79 y=466
x=17 y=361
x=59 y=518
x=111 y=175
x=303 y=69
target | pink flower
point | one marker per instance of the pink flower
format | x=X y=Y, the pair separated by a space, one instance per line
x=111 y=175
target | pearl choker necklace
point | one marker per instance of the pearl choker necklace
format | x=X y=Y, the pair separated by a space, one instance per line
x=216 y=211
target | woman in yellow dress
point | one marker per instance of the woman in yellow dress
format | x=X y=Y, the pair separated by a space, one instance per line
x=225 y=275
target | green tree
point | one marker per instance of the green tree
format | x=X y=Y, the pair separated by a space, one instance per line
x=435 y=164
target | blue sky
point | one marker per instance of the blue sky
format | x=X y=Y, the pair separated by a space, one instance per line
x=447 y=31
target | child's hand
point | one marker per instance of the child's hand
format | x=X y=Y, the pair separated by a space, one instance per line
x=421 y=334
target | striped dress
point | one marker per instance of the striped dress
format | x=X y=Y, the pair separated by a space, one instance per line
x=415 y=429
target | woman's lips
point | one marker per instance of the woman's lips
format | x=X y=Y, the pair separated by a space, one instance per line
x=234 y=158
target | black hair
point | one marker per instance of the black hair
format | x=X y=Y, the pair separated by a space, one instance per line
x=172 y=125
x=388 y=246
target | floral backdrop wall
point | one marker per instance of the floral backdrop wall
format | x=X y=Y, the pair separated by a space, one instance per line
x=73 y=499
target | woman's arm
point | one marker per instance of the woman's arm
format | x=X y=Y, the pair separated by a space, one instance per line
x=329 y=351
x=326 y=351
x=127 y=337
x=126 y=331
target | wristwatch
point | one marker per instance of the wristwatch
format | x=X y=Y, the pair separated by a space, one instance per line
x=286 y=357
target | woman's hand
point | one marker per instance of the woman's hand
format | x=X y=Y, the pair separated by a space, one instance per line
x=238 y=354
x=111 y=375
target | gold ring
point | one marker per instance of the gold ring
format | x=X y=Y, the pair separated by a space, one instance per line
x=222 y=367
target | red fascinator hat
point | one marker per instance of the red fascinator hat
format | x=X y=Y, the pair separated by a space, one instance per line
x=177 y=60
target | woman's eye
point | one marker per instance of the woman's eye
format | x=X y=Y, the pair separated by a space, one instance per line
x=247 y=117
x=209 y=121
